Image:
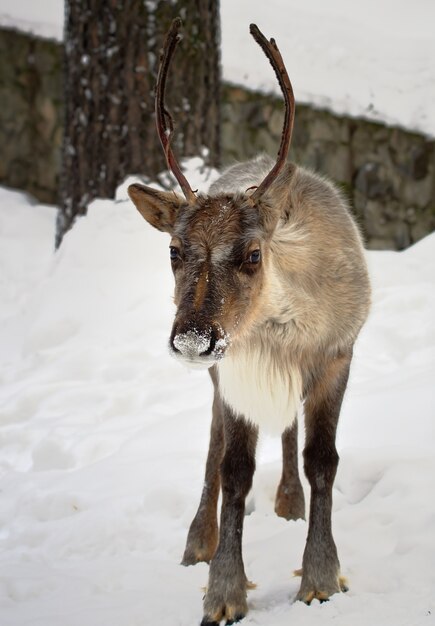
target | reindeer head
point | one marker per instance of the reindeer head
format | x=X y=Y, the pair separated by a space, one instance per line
x=219 y=247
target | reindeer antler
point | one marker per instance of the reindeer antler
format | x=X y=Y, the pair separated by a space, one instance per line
x=164 y=122
x=271 y=51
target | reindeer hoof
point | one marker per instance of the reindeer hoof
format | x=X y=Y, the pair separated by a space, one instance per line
x=224 y=614
x=191 y=557
x=201 y=543
x=198 y=553
x=307 y=595
x=221 y=605
x=237 y=618
x=217 y=609
x=290 y=503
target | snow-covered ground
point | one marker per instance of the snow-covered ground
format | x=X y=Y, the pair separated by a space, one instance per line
x=103 y=440
x=374 y=59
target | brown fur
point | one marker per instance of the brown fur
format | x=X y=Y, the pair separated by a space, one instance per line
x=299 y=310
x=290 y=501
x=271 y=289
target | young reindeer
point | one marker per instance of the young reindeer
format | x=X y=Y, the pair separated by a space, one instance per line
x=271 y=289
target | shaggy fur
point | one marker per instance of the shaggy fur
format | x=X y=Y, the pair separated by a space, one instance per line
x=271 y=296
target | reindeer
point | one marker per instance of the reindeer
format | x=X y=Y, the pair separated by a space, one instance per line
x=271 y=289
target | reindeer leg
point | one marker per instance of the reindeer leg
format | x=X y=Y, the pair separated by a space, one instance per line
x=290 y=501
x=202 y=538
x=227 y=584
x=321 y=567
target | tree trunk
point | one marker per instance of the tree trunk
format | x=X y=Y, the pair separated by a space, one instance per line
x=112 y=50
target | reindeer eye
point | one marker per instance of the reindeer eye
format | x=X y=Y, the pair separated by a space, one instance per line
x=174 y=253
x=255 y=256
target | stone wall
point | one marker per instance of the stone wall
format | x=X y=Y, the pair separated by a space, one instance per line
x=31 y=113
x=388 y=174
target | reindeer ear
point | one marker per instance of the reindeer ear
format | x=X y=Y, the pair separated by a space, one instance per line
x=269 y=217
x=276 y=202
x=268 y=214
x=159 y=208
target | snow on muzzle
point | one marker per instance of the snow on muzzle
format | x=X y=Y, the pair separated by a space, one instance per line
x=199 y=348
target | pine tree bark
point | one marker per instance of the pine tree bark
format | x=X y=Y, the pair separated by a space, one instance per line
x=112 y=50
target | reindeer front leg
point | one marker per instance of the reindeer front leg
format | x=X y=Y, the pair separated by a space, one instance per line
x=202 y=538
x=227 y=585
x=321 y=568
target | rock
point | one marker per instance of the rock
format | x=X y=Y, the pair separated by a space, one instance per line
x=370 y=181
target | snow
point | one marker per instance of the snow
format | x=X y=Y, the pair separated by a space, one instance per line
x=374 y=60
x=103 y=439
x=41 y=17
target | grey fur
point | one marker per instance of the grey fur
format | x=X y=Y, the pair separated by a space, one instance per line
x=239 y=177
x=271 y=289
x=300 y=313
x=295 y=316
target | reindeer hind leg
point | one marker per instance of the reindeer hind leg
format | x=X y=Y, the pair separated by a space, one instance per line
x=290 y=500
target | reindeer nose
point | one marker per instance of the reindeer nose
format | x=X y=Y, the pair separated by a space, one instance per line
x=194 y=343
